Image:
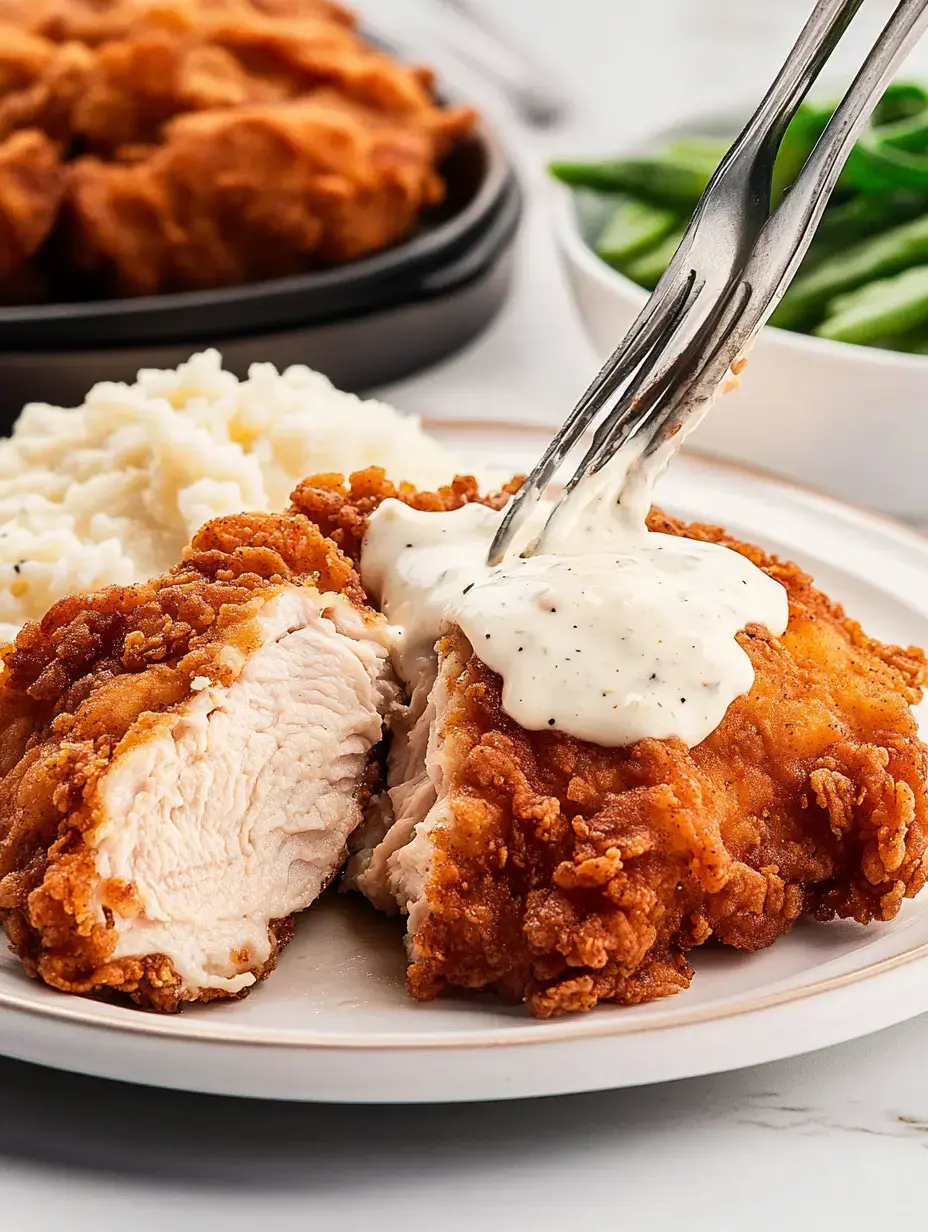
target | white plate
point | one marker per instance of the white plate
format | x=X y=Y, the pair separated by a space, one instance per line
x=334 y=1022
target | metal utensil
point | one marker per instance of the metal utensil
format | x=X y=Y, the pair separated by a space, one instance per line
x=728 y=274
x=539 y=99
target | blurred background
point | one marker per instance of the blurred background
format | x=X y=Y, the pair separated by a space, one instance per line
x=500 y=301
x=628 y=72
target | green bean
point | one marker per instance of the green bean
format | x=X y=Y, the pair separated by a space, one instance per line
x=876 y=168
x=901 y=100
x=878 y=257
x=662 y=180
x=798 y=317
x=881 y=309
x=872 y=234
x=647 y=269
x=634 y=228
x=803 y=131
x=910 y=135
x=599 y=176
x=913 y=343
x=703 y=153
x=849 y=221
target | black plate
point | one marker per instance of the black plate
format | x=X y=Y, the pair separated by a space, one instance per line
x=433 y=314
x=363 y=324
x=479 y=182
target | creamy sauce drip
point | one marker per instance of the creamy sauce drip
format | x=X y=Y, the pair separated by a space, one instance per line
x=615 y=648
x=415 y=565
x=610 y=633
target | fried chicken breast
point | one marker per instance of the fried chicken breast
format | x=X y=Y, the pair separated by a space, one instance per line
x=40 y=84
x=102 y=21
x=565 y=873
x=183 y=761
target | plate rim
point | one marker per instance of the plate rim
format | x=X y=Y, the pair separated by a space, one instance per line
x=569 y=1029
x=436 y=425
x=109 y=1017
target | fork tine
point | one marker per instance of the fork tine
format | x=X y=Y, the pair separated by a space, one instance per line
x=652 y=327
x=631 y=415
x=712 y=355
x=696 y=337
x=649 y=405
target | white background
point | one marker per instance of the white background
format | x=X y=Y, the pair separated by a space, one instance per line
x=835 y=1139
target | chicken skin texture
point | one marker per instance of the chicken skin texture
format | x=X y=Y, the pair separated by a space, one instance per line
x=31 y=187
x=257 y=192
x=204 y=143
x=160 y=786
x=564 y=873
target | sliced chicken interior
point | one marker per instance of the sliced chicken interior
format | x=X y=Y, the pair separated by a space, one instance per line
x=184 y=761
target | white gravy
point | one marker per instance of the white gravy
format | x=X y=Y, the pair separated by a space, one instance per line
x=610 y=633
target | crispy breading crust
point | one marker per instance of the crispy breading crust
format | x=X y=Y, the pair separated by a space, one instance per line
x=83 y=683
x=573 y=874
x=341 y=510
x=203 y=143
x=31 y=187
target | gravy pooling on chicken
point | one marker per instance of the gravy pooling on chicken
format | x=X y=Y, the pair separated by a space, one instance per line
x=564 y=873
x=613 y=633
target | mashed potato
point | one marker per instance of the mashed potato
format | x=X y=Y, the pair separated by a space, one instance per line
x=111 y=491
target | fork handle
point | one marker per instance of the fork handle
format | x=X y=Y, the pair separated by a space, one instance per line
x=817 y=40
x=737 y=200
x=786 y=237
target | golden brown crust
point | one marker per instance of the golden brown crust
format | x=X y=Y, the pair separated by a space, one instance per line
x=103 y=21
x=31 y=185
x=573 y=874
x=79 y=687
x=211 y=142
x=340 y=509
x=197 y=212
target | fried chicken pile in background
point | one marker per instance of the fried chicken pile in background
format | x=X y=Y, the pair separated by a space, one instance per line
x=150 y=147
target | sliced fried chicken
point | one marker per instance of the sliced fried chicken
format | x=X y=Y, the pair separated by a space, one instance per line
x=183 y=762
x=564 y=873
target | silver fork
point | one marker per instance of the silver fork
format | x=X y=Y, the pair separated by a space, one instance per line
x=537 y=95
x=728 y=274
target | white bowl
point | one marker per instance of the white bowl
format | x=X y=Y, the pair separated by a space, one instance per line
x=849 y=420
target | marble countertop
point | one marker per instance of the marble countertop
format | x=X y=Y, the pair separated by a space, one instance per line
x=837 y=1138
